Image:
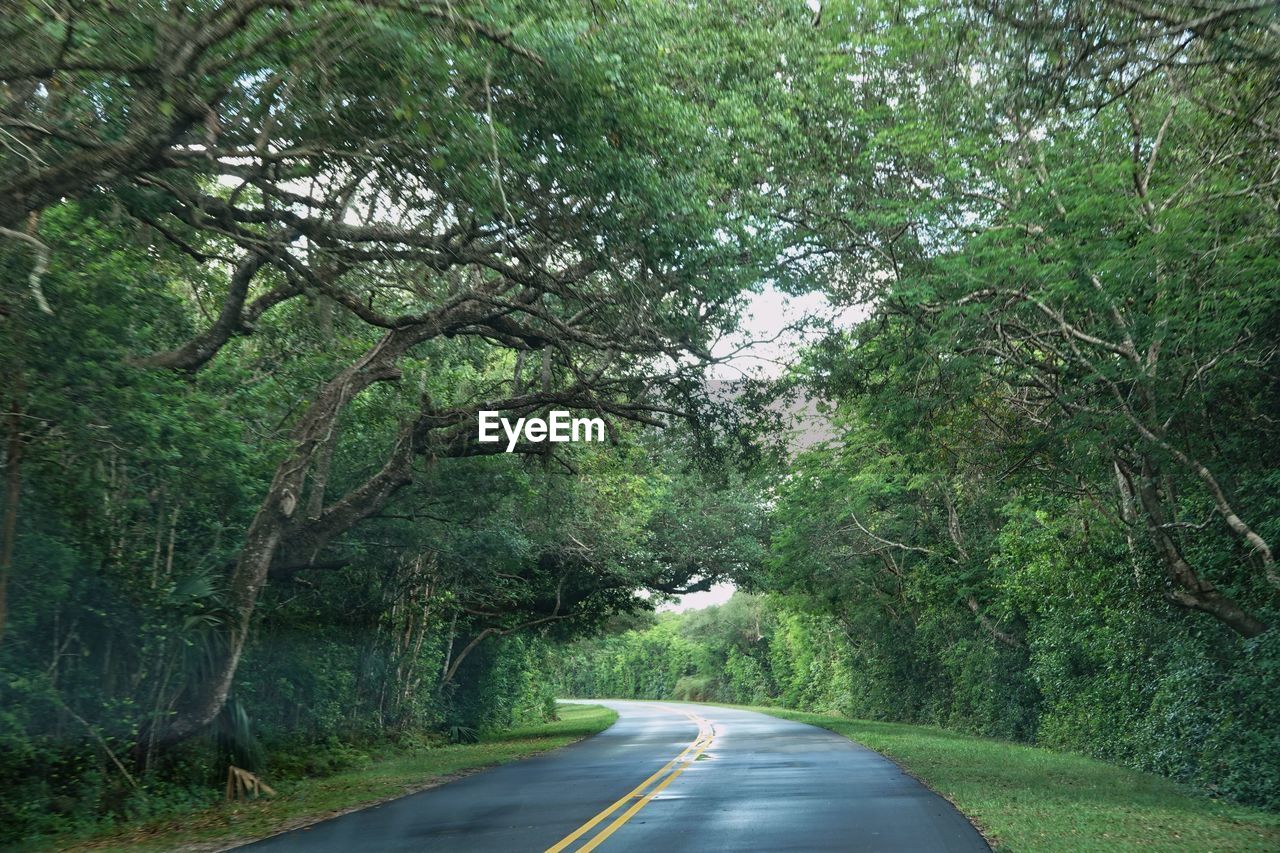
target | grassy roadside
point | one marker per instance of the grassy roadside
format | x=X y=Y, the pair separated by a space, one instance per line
x=1029 y=799
x=306 y=801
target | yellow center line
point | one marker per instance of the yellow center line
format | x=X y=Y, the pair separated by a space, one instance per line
x=644 y=801
x=706 y=733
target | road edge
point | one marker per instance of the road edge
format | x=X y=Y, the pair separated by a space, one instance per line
x=434 y=782
x=987 y=836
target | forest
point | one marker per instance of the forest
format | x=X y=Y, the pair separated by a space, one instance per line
x=264 y=263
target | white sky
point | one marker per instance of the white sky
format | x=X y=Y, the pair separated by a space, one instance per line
x=718 y=594
x=767 y=315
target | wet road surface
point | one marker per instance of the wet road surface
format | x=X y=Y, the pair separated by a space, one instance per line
x=667 y=776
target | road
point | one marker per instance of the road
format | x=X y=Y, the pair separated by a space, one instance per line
x=667 y=776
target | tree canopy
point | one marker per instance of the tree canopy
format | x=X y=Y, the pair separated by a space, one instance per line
x=264 y=262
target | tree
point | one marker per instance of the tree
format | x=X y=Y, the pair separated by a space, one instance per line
x=448 y=173
x=1091 y=275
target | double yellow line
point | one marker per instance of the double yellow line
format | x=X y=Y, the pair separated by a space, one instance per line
x=645 y=791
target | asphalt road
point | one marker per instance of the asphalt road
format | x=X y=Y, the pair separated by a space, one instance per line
x=667 y=776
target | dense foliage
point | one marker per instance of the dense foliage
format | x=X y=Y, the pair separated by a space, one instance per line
x=1049 y=509
x=263 y=263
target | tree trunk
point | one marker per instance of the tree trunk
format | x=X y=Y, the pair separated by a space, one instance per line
x=270 y=524
x=1190 y=589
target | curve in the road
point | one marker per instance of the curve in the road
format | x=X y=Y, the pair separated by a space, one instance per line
x=667 y=776
x=642 y=794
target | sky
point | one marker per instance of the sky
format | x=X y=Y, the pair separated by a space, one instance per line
x=718 y=594
x=767 y=315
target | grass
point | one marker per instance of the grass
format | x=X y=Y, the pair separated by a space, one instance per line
x=309 y=800
x=1029 y=799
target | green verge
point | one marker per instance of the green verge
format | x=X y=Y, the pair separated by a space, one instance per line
x=305 y=801
x=1029 y=799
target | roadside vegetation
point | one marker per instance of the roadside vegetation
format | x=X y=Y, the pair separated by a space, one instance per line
x=1029 y=799
x=338 y=778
